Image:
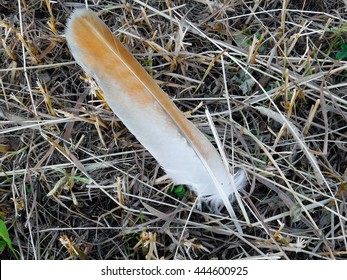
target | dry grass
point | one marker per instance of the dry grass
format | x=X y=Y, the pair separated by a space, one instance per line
x=74 y=183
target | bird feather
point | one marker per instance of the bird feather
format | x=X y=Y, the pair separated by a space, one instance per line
x=177 y=144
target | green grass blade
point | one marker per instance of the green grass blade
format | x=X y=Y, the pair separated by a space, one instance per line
x=6 y=237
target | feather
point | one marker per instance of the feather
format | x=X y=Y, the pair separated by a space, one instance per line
x=180 y=148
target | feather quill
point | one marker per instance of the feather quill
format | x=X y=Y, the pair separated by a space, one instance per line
x=180 y=148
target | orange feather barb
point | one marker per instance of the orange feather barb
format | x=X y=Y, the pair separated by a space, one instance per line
x=181 y=149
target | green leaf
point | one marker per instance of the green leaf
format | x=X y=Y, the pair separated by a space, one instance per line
x=179 y=191
x=343 y=53
x=82 y=179
x=2 y=246
x=4 y=233
x=6 y=237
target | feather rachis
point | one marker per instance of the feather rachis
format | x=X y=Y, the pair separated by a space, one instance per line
x=133 y=95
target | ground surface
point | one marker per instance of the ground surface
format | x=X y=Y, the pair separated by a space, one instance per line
x=74 y=183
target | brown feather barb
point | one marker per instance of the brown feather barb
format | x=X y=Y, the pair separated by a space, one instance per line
x=181 y=149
